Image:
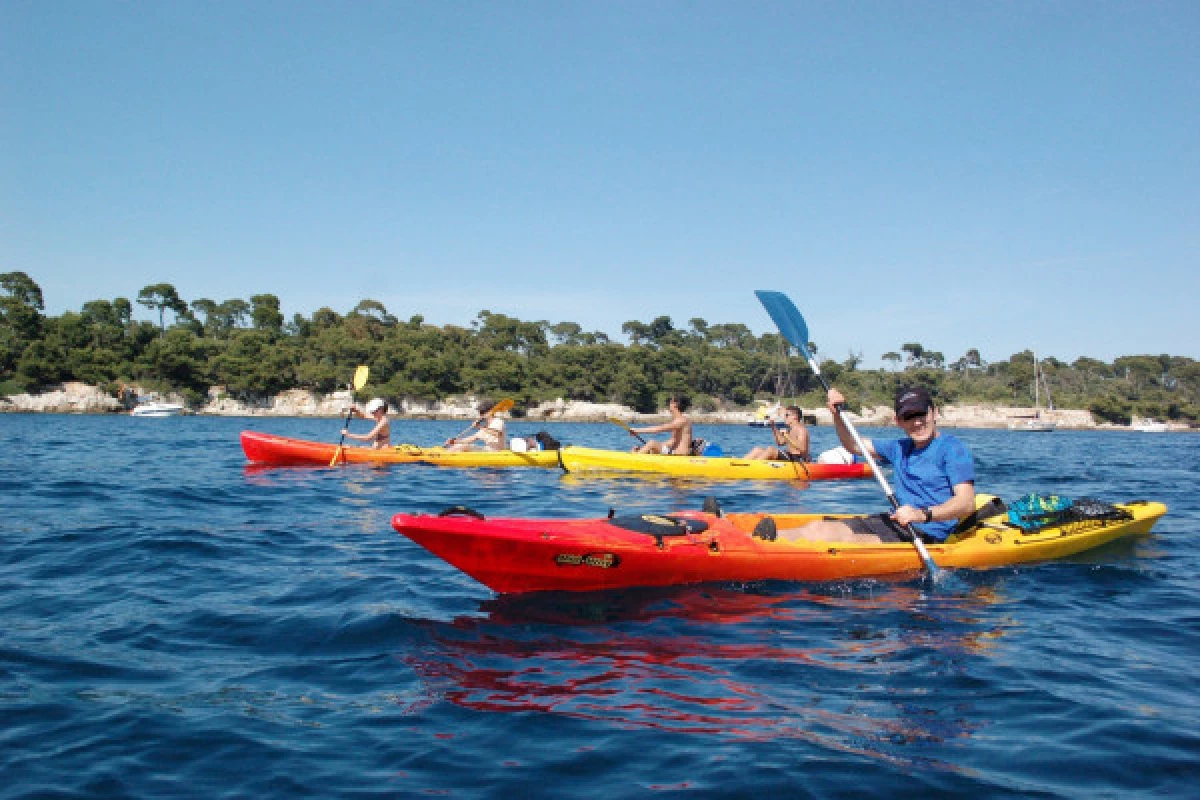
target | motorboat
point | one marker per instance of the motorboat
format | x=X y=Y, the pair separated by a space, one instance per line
x=156 y=410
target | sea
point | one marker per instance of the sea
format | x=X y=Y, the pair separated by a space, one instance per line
x=175 y=622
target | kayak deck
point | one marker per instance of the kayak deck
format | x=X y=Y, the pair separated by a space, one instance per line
x=265 y=448
x=524 y=555
x=587 y=459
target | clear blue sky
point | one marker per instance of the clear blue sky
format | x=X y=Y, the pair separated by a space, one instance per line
x=991 y=175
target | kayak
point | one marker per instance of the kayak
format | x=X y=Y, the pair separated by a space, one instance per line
x=511 y=555
x=264 y=448
x=587 y=459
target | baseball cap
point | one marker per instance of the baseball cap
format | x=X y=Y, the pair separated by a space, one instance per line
x=913 y=400
x=375 y=405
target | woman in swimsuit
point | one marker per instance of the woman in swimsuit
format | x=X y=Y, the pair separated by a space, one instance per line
x=381 y=435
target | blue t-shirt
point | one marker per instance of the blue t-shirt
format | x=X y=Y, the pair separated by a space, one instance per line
x=927 y=477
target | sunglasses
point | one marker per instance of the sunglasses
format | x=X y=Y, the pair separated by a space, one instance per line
x=911 y=415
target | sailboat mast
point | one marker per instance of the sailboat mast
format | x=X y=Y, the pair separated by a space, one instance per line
x=1037 y=399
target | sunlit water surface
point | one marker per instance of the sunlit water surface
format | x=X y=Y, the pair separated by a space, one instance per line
x=174 y=622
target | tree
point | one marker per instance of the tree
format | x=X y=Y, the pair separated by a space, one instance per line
x=373 y=309
x=163 y=297
x=638 y=332
x=20 y=317
x=566 y=332
x=265 y=313
x=209 y=309
x=915 y=353
x=892 y=358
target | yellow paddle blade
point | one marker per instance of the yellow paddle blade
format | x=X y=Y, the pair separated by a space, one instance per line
x=360 y=376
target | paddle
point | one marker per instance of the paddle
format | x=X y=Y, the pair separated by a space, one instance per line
x=625 y=425
x=791 y=324
x=361 y=373
x=503 y=405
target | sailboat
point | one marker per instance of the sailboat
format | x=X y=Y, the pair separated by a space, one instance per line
x=1036 y=422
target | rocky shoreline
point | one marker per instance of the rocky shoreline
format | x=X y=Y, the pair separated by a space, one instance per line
x=79 y=398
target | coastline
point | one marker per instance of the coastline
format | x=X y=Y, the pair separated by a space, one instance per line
x=80 y=398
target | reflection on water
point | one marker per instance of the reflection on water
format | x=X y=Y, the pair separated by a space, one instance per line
x=735 y=662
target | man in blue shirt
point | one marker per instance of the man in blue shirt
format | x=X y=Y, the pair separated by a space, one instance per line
x=933 y=473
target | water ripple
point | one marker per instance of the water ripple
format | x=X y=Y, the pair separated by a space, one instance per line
x=178 y=623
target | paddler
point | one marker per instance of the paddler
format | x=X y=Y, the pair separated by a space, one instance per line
x=381 y=435
x=791 y=443
x=490 y=436
x=933 y=472
x=679 y=426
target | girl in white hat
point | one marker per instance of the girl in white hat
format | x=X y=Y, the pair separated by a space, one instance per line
x=381 y=435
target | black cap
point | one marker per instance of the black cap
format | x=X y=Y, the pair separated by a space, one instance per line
x=913 y=400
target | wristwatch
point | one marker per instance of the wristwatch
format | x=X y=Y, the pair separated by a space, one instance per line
x=929 y=514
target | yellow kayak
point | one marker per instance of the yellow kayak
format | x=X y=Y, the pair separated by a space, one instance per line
x=587 y=459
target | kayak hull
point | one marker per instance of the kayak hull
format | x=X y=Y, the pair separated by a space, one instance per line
x=512 y=555
x=587 y=459
x=281 y=451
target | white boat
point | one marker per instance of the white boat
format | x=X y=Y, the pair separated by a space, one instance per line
x=1036 y=423
x=156 y=410
x=768 y=415
x=1147 y=425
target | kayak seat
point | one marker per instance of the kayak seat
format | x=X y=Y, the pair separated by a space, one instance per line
x=765 y=529
x=992 y=508
x=711 y=506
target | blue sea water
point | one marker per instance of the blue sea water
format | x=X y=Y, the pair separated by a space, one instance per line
x=176 y=623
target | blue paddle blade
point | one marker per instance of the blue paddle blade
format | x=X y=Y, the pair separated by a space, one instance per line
x=787 y=318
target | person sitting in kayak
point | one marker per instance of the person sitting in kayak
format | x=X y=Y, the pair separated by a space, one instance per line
x=490 y=435
x=791 y=443
x=381 y=435
x=680 y=428
x=933 y=472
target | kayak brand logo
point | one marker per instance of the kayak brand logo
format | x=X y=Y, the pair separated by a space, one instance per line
x=600 y=560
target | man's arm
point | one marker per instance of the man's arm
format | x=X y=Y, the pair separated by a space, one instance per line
x=957 y=507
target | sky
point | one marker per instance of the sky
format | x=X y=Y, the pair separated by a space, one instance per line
x=992 y=175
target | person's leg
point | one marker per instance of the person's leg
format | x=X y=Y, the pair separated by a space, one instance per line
x=827 y=530
x=873 y=529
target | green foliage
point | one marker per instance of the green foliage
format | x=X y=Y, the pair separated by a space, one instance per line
x=1111 y=409
x=719 y=364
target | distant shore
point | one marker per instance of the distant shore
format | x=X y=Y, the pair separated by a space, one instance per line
x=79 y=398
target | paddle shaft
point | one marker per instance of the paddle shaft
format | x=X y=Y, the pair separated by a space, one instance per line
x=630 y=430
x=359 y=381
x=503 y=405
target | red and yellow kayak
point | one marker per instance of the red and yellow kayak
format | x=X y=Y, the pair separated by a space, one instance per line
x=280 y=451
x=529 y=555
